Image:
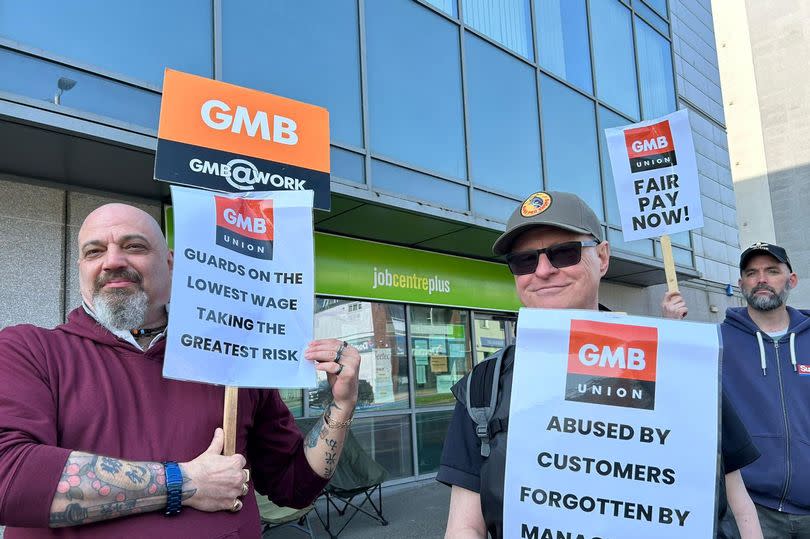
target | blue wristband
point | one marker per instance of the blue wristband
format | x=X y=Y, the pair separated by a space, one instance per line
x=174 y=488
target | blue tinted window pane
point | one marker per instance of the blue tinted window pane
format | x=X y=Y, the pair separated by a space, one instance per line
x=613 y=55
x=400 y=180
x=414 y=86
x=448 y=6
x=504 y=131
x=651 y=17
x=655 y=70
x=569 y=136
x=347 y=165
x=138 y=39
x=493 y=206
x=659 y=5
x=38 y=79
x=562 y=40
x=617 y=243
x=607 y=119
x=320 y=65
x=683 y=239
x=682 y=257
x=506 y=21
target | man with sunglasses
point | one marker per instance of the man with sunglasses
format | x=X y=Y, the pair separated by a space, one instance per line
x=555 y=248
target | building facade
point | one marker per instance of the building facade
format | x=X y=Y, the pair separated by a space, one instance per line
x=768 y=104
x=444 y=115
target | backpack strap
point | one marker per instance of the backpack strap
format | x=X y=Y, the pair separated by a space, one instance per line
x=482 y=397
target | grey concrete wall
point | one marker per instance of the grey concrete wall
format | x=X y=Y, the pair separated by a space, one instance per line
x=780 y=49
x=31 y=254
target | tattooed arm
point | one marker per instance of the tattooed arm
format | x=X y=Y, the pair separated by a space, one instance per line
x=94 y=487
x=325 y=444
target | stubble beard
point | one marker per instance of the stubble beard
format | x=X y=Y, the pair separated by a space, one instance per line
x=766 y=303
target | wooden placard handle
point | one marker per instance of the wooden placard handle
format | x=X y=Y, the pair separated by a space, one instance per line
x=669 y=263
x=229 y=419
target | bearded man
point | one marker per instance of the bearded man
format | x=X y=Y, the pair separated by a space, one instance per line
x=95 y=443
x=766 y=375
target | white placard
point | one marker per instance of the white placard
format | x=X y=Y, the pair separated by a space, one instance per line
x=655 y=175
x=242 y=289
x=613 y=427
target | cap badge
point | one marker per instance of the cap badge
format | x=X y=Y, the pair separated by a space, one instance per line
x=535 y=204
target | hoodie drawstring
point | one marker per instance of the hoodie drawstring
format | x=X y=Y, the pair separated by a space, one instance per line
x=793 y=350
x=762 y=353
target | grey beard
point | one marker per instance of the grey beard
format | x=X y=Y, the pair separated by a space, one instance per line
x=121 y=311
x=768 y=303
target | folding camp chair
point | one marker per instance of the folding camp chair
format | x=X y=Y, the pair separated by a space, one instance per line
x=357 y=476
x=274 y=516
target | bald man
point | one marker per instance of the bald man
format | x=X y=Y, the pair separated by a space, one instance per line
x=94 y=442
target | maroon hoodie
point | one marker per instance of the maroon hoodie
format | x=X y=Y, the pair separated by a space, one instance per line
x=79 y=387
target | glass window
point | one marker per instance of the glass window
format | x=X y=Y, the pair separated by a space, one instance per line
x=506 y=21
x=659 y=5
x=347 y=165
x=448 y=6
x=138 y=39
x=497 y=207
x=562 y=40
x=682 y=257
x=414 y=87
x=387 y=440
x=683 y=239
x=312 y=55
x=40 y=79
x=440 y=347
x=642 y=247
x=377 y=330
x=414 y=184
x=490 y=336
x=569 y=135
x=651 y=17
x=655 y=71
x=613 y=55
x=608 y=118
x=431 y=430
x=504 y=133
x=294 y=399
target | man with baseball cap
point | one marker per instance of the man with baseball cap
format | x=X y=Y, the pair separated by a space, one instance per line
x=554 y=246
x=766 y=373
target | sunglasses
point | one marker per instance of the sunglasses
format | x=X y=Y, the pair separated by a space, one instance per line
x=560 y=255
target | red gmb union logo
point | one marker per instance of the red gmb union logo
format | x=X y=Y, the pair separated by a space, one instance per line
x=613 y=364
x=650 y=147
x=245 y=226
x=804 y=370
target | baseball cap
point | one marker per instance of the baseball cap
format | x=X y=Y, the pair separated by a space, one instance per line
x=549 y=208
x=764 y=248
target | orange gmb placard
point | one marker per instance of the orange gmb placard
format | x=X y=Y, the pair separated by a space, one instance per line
x=609 y=350
x=214 y=114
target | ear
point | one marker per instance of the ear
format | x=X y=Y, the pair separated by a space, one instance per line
x=170 y=259
x=794 y=280
x=603 y=251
